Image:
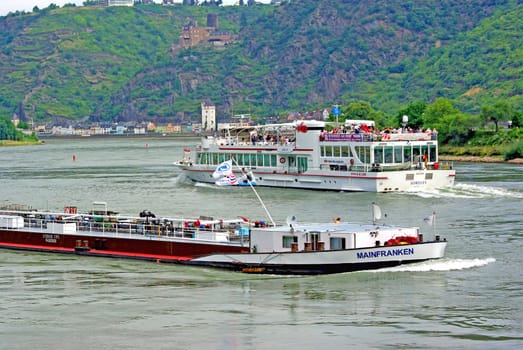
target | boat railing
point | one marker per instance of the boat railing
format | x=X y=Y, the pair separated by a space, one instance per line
x=228 y=230
x=369 y=137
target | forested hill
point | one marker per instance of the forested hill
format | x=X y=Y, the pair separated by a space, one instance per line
x=122 y=63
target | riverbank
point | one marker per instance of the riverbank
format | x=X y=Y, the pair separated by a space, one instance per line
x=478 y=159
x=19 y=143
x=49 y=137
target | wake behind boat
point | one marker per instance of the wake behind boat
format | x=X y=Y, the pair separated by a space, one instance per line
x=235 y=244
x=305 y=155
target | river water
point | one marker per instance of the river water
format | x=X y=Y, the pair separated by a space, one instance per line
x=472 y=299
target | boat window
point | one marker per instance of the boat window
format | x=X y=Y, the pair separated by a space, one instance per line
x=221 y=158
x=215 y=158
x=424 y=149
x=260 y=159
x=388 y=154
x=246 y=160
x=407 y=153
x=238 y=158
x=433 y=153
x=363 y=154
x=273 y=160
x=398 y=154
x=328 y=151
x=253 y=159
x=416 y=154
x=267 y=160
x=378 y=154
x=288 y=240
x=337 y=243
x=203 y=158
x=336 y=152
x=345 y=151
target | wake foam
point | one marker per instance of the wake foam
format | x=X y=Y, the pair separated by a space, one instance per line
x=440 y=265
x=468 y=191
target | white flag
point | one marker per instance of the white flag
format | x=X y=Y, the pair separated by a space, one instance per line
x=429 y=220
x=376 y=212
x=223 y=169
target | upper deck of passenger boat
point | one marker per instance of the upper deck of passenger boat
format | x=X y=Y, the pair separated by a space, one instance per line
x=285 y=134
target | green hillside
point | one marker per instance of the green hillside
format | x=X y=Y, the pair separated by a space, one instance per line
x=124 y=63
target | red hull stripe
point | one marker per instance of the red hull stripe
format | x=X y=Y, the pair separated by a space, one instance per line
x=93 y=252
x=310 y=175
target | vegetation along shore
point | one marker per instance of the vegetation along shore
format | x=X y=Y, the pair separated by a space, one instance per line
x=454 y=66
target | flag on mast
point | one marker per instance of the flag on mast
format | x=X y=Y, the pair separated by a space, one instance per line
x=376 y=212
x=429 y=220
x=223 y=169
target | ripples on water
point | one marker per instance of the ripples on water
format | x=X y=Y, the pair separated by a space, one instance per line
x=471 y=299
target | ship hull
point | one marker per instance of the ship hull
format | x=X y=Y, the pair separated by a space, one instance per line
x=146 y=247
x=325 y=262
x=390 y=181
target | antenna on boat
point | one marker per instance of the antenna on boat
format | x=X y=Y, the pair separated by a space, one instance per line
x=291 y=219
x=256 y=193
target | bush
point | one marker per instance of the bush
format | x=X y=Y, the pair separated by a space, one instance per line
x=514 y=151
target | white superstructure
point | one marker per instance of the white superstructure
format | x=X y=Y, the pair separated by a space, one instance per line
x=305 y=155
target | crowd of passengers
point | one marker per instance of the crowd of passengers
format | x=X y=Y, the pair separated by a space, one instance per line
x=370 y=129
x=269 y=139
x=358 y=128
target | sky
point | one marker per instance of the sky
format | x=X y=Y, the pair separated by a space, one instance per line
x=7 y=6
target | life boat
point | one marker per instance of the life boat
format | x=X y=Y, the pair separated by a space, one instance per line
x=402 y=240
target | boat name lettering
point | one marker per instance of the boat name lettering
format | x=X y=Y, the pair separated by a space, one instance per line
x=420 y=182
x=342 y=137
x=358 y=174
x=50 y=238
x=383 y=253
x=333 y=161
x=285 y=149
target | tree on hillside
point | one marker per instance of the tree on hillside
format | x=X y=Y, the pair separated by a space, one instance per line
x=438 y=110
x=517 y=120
x=362 y=110
x=415 y=112
x=455 y=128
x=357 y=110
x=8 y=130
x=501 y=110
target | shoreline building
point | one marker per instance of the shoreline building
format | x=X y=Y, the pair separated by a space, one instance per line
x=208 y=116
x=115 y=2
x=120 y=2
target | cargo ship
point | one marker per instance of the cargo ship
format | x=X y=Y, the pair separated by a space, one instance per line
x=237 y=244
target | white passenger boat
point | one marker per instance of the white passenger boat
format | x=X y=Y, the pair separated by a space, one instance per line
x=305 y=155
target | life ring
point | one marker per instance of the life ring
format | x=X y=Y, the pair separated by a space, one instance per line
x=352 y=161
x=402 y=240
x=282 y=160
